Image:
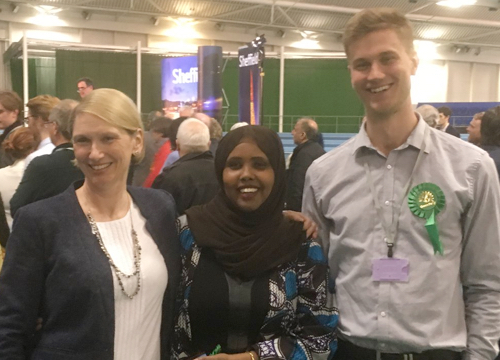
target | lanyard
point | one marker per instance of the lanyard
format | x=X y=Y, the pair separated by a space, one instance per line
x=390 y=230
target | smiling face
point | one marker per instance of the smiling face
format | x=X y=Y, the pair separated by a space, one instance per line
x=248 y=176
x=381 y=68
x=102 y=151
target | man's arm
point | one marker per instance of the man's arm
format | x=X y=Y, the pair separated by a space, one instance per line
x=480 y=264
x=311 y=208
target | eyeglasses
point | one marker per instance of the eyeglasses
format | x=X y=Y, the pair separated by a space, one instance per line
x=48 y=122
x=80 y=89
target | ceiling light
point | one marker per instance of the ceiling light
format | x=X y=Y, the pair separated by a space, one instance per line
x=306 y=44
x=456 y=3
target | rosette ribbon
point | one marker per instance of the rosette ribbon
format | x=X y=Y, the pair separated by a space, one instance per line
x=426 y=200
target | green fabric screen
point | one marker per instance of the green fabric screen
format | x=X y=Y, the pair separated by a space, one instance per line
x=41 y=79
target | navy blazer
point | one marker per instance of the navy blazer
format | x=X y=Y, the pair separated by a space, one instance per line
x=55 y=269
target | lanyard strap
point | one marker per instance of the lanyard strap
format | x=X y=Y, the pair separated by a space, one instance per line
x=390 y=230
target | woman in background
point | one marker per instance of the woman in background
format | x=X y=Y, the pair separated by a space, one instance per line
x=253 y=287
x=98 y=263
x=21 y=142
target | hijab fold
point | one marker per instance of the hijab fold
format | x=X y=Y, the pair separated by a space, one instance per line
x=248 y=243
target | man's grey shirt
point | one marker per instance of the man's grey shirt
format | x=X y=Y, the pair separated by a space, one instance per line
x=450 y=301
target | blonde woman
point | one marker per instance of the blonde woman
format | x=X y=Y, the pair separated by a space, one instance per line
x=98 y=263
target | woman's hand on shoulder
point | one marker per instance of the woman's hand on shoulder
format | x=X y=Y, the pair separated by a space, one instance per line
x=309 y=227
x=241 y=356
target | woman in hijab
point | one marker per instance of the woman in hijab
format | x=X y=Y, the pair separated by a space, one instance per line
x=253 y=287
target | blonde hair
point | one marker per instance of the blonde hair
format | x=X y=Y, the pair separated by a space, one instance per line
x=369 y=20
x=115 y=108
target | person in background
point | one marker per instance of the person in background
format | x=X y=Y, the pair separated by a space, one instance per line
x=160 y=131
x=429 y=113
x=444 y=121
x=215 y=135
x=49 y=175
x=408 y=215
x=18 y=146
x=11 y=108
x=252 y=284
x=39 y=109
x=191 y=179
x=307 y=150
x=85 y=86
x=474 y=129
x=174 y=154
x=490 y=134
x=99 y=263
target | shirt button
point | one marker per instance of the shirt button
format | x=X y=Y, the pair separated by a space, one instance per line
x=383 y=314
x=387 y=202
x=389 y=167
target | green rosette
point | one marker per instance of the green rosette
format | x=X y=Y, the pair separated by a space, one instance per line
x=426 y=200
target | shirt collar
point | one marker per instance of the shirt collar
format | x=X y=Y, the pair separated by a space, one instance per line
x=416 y=138
x=44 y=143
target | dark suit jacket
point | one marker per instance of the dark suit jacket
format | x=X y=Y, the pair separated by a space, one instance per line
x=55 y=269
x=452 y=131
x=191 y=180
x=46 y=176
x=302 y=157
x=494 y=152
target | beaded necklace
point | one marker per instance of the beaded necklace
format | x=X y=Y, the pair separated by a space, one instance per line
x=137 y=257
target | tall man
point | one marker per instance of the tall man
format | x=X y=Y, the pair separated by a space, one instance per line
x=409 y=217
x=444 y=121
x=307 y=150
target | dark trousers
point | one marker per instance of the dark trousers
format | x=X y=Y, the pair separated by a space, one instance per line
x=349 y=351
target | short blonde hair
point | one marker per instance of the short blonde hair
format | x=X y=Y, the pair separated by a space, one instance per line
x=369 y=20
x=42 y=105
x=115 y=108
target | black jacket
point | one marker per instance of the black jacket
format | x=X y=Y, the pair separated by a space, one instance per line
x=46 y=176
x=452 y=131
x=494 y=152
x=191 y=180
x=6 y=160
x=302 y=157
x=55 y=269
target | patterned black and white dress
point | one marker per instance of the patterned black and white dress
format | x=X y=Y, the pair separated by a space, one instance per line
x=284 y=313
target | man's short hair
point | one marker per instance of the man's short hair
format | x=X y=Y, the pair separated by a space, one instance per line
x=370 y=20
x=87 y=81
x=215 y=129
x=445 y=110
x=42 y=105
x=11 y=102
x=161 y=125
x=429 y=113
x=307 y=126
x=193 y=136
x=490 y=127
x=478 y=115
x=61 y=115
